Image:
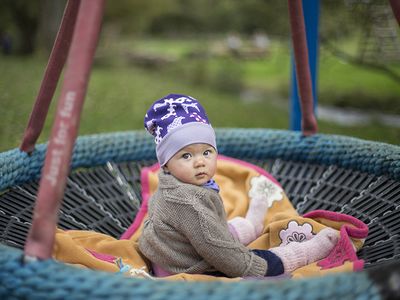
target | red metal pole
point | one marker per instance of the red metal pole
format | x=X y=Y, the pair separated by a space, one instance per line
x=40 y=239
x=303 y=74
x=57 y=59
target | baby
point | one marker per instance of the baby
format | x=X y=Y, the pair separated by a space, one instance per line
x=187 y=229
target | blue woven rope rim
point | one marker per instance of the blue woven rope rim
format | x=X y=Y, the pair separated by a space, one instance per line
x=52 y=280
x=375 y=158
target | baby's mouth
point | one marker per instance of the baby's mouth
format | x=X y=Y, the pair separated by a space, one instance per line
x=201 y=174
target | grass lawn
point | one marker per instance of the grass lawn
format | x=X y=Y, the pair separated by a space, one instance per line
x=339 y=83
x=120 y=93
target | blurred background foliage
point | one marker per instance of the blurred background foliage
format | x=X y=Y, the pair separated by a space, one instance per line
x=149 y=48
x=35 y=23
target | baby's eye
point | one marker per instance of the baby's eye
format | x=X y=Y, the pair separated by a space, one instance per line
x=186 y=155
x=207 y=152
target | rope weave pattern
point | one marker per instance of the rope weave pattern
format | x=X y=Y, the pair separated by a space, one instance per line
x=52 y=280
x=17 y=167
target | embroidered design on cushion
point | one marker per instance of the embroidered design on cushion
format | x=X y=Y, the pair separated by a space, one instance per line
x=296 y=233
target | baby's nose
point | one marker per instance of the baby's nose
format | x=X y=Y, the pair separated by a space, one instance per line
x=199 y=161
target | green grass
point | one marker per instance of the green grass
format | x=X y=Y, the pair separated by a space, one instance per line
x=344 y=84
x=174 y=48
x=19 y=83
x=119 y=93
x=339 y=83
x=117 y=100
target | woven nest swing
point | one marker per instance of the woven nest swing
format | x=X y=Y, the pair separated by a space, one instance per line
x=102 y=191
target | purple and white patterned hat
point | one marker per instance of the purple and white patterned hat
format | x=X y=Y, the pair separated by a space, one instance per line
x=177 y=121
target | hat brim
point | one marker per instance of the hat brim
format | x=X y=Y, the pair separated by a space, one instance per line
x=182 y=136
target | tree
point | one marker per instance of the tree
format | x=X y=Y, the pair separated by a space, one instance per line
x=33 y=24
x=50 y=15
x=22 y=17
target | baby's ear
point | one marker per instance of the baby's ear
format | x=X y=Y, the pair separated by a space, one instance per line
x=165 y=169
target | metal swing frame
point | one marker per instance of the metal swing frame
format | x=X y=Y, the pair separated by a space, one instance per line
x=85 y=17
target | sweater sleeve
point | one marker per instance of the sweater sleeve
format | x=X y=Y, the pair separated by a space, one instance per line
x=208 y=233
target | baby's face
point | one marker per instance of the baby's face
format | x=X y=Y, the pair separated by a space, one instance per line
x=195 y=164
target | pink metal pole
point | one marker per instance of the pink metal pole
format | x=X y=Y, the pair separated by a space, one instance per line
x=303 y=74
x=40 y=239
x=54 y=67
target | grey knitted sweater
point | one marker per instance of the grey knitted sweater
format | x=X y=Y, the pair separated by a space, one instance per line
x=187 y=232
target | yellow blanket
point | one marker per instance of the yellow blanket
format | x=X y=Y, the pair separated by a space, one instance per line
x=237 y=180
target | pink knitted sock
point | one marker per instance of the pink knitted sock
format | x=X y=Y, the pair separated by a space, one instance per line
x=242 y=229
x=296 y=255
x=258 y=208
x=263 y=193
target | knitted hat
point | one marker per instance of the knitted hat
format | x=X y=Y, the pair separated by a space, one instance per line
x=177 y=121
